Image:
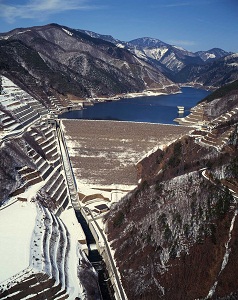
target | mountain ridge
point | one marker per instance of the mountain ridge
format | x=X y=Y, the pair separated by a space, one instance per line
x=139 y=45
x=215 y=73
x=82 y=64
x=88 y=67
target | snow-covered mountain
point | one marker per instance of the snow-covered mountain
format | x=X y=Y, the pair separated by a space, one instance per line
x=147 y=42
x=64 y=62
x=156 y=51
x=55 y=59
x=170 y=57
x=212 y=54
x=214 y=73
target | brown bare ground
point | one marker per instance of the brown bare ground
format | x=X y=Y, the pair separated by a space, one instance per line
x=105 y=152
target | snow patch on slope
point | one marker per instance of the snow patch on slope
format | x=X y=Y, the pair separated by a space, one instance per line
x=233 y=64
x=210 y=55
x=156 y=53
x=119 y=45
x=16 y=228
x=67 y=31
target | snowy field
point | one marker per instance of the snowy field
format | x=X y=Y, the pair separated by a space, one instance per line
x=16 y=227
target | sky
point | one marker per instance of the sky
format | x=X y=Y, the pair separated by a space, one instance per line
x=192 y=24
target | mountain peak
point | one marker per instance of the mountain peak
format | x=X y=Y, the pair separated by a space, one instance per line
x=147 y=42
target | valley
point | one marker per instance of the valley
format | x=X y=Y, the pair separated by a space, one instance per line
x=159 y=200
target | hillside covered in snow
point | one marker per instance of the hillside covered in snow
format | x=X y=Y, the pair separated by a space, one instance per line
x=43 y=247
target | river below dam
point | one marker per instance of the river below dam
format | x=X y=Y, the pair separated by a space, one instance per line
x=153 y=109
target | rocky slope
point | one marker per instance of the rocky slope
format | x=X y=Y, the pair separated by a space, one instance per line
x=12 y=158
x=216 y=73
x=175 y=235
x=65 y=63
x=211 y=68
x=168 y=58
x=172 y=57
x=214 y=67
x=56 y=60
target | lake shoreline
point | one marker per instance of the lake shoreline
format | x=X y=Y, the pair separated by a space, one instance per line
x=145 y=93
x=159 y=109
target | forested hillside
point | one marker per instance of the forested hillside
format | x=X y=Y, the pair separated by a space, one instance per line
x=176 y=234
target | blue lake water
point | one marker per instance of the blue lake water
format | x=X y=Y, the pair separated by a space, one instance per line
x=153 y=109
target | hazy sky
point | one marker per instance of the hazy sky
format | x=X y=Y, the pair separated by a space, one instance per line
x=192 y=24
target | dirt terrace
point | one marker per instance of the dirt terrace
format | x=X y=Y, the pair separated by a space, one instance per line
x=105 y=152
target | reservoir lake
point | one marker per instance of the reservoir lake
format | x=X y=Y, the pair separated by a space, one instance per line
x=153 y=109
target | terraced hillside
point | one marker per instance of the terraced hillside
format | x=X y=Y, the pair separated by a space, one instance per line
x=43 y=247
